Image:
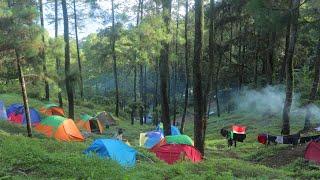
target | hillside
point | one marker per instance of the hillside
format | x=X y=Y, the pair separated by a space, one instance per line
x=39 y=157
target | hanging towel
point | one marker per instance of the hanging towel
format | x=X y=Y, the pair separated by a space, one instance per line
x=279 y=139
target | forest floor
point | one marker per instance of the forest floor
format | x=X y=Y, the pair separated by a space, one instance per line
x=41 y=158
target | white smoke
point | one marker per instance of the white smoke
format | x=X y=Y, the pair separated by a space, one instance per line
x=270 y=101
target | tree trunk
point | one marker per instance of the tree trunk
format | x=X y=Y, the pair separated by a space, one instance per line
x=210 y=71
x=197 y=78
x=283 y=64
x=269 y=64
x=186 y=46
x=155 y=96
x=77 y=44
x=175 y=69
x=141 y=94
x=24 y=95
x=145 y=104
x=314 y=88
x=289 y=67
x=114 y=57
x=57 y=59
x=133 y=113
x=164 y=69
x=43 y=55
x=67 y=60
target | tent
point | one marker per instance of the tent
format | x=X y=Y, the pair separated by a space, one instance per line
x=90 y=124
x=106 y=118
x=3 y=113
x=174 y=129
x=52 y=109
x=179 y=139
x=115 y=150
x=312 y=152
x=149 y=139
x=16 y=114
x=171 y=153
x=61 y=128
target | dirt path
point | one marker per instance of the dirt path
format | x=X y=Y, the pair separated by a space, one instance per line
x=284 y=157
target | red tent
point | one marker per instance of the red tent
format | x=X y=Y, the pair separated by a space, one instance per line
x=171 y=153
x=312 y=152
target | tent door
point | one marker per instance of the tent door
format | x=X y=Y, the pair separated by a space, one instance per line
x=94 y=126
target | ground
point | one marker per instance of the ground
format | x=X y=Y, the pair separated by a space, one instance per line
x=41 y=158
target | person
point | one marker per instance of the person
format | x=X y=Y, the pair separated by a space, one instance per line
x=119 y=134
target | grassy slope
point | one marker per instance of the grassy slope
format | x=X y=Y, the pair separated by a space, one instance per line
x=40 y=157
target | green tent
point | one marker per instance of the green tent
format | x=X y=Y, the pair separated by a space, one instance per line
x=179 y=139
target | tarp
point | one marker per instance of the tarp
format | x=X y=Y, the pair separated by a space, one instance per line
x=106 y=118
x=179 y=139
x=312 y=152
x=60 y=128
x=153 y=138
x=114 y=149
x=171 y=153
x=174 y=129
x=3 y=112
x=16 y=114
x=52 y=109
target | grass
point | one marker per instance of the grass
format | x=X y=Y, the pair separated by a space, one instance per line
x=42 y=158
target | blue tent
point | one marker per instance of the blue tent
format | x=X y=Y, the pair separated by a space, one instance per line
x=16 y=114
x=174 y=129
x=3 y=113
x=114 y=149
x=153 y=138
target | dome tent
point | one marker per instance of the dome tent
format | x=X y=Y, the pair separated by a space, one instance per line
x=179 y=139
x=171 y=153
x=60 y=128
x=90 y=124
x=115 y=150
x=312 y=152
x=16 y=114
x=52 y=109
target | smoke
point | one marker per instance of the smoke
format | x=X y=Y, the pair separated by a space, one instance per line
x=270 y=101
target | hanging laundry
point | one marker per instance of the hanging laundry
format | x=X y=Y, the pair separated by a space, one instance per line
x=279 y=139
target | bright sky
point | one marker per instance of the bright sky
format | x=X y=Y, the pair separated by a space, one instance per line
x=89 y=25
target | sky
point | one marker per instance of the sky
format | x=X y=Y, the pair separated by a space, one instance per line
x=89 y=25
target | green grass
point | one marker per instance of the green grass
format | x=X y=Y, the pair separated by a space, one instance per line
x=42 y=158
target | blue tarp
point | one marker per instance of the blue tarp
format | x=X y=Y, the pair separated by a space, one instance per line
x=114 y=149
x=174 y=129
x=3 y=113
x=154 y=137
x=19 y=109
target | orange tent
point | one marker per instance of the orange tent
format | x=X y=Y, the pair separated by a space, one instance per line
x=61 y=128
x=90 y=124
x=52 y=109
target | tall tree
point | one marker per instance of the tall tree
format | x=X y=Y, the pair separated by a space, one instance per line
x=175 y=67
x=24 y=94
x=314 y=88
x=43 y=54
x=114 y=57
x=67 y=60
x=186 y=54
x=77 y=44
x=197 y=78
x=211 y=67
x=58 y=62
x=289 y=66
x=164 y=69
